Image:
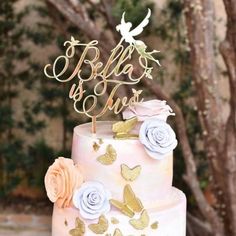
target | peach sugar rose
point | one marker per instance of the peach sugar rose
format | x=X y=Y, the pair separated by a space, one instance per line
x=61 y=179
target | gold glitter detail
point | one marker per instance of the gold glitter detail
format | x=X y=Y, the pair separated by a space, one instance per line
x=65 y=223
x=100 y=141
x=101 y=227
x=117 y=232
x=130 y=174
x=109 y=157
x=131 y=203
x=154 y=225
x=122 y=129
x=79 y=229
x=114 y=221
x=96 y=147
x=142 y=222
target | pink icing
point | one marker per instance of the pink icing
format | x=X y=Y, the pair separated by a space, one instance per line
x=149 y=109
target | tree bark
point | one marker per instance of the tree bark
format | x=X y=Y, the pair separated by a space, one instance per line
x=228 y=51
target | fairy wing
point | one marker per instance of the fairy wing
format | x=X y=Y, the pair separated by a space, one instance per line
x=136 y=31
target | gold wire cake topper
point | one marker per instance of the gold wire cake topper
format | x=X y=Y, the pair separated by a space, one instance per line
x=105 y=76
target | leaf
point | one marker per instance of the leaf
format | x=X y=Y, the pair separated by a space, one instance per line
x=142 y=222
x=130 y=174
x=148 y=55
x=101 y=227
x=109 y=157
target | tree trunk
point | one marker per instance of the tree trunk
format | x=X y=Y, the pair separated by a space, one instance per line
x=228 y=51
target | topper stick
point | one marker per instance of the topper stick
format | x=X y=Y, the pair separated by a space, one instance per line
x=94 y=124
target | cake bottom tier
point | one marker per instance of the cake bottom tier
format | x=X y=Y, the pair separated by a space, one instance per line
x=166 y=220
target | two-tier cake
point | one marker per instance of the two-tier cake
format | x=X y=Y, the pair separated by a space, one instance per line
x=119 y=186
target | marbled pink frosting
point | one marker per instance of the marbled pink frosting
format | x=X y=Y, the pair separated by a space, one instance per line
x=129 y=152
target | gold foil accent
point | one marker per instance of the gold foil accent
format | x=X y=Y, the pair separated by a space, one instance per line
x=114 y=221
x=130 y=204
x=96 y=147
x=79 y=229
x=65 y=223
x=122 y=129
x=130 y=174
x=100 y=141
x=109 y=157
x=154 y=225
x=142 y=222
x=101 y=227
x=117 y=232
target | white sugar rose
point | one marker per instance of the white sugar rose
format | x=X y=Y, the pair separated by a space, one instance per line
x=92 y=200
x=157 y=137
x=149 y=109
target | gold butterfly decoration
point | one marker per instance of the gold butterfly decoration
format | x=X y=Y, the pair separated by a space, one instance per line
x=101 y=227
x=96 y=146
x=142 y=222
x=130 y=174
x=117 y=232
x=130 y=204
x=154 y=225
x=79 y=229
x=122 y=129
x=109 y=157
x=114 y=221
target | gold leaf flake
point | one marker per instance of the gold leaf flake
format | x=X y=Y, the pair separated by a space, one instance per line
x=100 y=141
x=101 y=227
x=65 y=223
x=142 y=222
x=130 y=174
x=109 y=157
x=96 y=147
x=114 y=221
x=122 y=129
x=117 y=232
x=130 y=202
x=154 y=225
